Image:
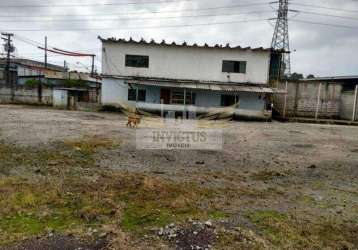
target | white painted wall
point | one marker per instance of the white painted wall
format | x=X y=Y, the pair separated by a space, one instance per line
x=187 y=63
x=115 y=92
x=60 y=98
x=26 y=71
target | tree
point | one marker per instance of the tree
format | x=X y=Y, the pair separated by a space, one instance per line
x=310 y=76
x=32 y=83
x=296 y=76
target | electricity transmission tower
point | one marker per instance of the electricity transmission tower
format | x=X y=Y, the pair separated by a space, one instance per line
x=280 y=40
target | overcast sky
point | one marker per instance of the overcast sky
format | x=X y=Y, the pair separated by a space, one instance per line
x=317 y=49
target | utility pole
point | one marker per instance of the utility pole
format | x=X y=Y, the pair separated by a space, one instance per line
x=280 y=40
x=45 y=52
x=92 y=69
x=64 y=66
x=9 y=48
x=39 y=90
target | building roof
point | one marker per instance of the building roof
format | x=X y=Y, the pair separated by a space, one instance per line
x=332 y=78
x=228 y=87
x=32 y=64
x=74 y=75
x=184 y=44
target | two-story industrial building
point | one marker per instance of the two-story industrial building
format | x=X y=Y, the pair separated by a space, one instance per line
x=171 y=77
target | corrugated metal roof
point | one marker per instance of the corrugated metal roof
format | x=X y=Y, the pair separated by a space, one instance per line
x=330 y=78
x=184 y=44
x=211 y=86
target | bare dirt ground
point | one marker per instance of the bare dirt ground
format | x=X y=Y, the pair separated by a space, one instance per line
x=77 y=177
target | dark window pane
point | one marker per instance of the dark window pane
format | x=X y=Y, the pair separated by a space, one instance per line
x=229 y=100
x=132 y=94
x=177 y=97
x=141 y=95
x=137 y=61
x=234 y=67
x=190 y=98
x=228 y=66
x=242 y=67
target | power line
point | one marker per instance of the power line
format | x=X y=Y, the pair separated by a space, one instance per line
x=37 y=44
x=323 y=7
x=139 y=19
x=143 y=27
x=180 y=25
x=325 y=24
x=91 y=4
x=322 y=14
x=140 y=13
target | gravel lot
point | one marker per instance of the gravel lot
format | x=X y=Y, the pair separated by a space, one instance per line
x=309 y=171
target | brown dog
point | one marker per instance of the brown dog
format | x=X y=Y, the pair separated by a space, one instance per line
x=133 y=121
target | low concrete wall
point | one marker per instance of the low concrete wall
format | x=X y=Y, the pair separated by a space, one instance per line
x=60 y=98
x=347 y=103
x=88 y=106
x=24 y=95
x=303 y=98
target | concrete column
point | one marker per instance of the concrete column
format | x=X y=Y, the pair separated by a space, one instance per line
x=297 y=96
x=162 y=108
x=285 y=101
x=355 y=104
x=184 y=112
x=318 y=100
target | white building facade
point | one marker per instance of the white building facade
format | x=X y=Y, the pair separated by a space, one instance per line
x=156 y=76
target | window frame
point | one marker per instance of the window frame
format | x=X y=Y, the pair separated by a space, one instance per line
x=137 y=97
x=177 y=97
x=141 y=61
x=132 y=96
x=236 y=98
x=236 y=67
x=143 y=97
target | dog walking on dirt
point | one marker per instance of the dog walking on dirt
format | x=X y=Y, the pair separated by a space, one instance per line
x=133 y=119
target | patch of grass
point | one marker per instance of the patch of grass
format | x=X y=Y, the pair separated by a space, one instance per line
x=306 y=200
x=236 y=240
x=136 y=203
x=217 y=215
x=89 y=146
x=152 y=202
x=274 y=225
x=258 y=216
x=71 y=155
x=286 y=231
x=267 y=175
x=18 y=226
x=30 y=209
x=138 y=218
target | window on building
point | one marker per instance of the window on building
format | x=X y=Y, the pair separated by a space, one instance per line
x=137 y=61
x=190 y=98
x=234 y=67
x=141 y=95
x=229 y=100
x=177 y=97
x=133 y=93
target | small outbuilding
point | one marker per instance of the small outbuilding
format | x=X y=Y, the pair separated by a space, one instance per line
x=76 y=98
x=319 y=98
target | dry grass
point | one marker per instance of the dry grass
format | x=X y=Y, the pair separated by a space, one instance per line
x=292 y=232
x=59 y=198
x=61 y=188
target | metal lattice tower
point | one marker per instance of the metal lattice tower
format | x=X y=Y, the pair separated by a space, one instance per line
x=280 y=40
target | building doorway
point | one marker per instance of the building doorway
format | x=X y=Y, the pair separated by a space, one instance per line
x=165 y=96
